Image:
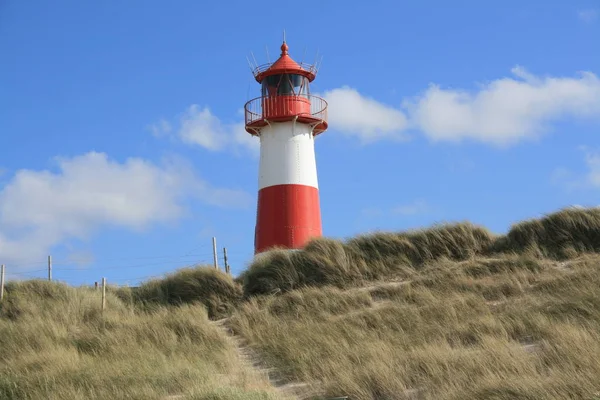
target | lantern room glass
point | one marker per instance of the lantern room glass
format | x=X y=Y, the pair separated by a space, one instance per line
x=285 y=85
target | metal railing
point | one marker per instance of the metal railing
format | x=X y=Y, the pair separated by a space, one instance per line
x=307 y=106
x=305 y=66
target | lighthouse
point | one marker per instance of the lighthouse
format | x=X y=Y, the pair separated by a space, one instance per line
x=286 y=118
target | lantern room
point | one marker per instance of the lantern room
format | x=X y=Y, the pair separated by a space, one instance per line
x=285 y=85
x=285 y=96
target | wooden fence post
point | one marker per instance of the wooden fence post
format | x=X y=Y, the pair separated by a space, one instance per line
x=216 y=260
x=49 y=268
x=1 y=282
x=225 y=260
x=103 y=293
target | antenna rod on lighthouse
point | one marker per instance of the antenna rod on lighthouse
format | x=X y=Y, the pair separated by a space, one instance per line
x=318 y=67
x=268 y=58
x=250 y=65
x=255 y=63
x=284 y=36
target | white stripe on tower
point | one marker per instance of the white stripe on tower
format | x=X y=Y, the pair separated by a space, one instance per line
x=287 y=155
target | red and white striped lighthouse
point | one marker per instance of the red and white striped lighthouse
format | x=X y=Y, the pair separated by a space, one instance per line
x=286 y=118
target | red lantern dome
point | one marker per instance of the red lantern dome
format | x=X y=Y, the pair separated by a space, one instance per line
x=285 y=95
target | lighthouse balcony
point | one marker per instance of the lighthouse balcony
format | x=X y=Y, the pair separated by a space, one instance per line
x=307 y=109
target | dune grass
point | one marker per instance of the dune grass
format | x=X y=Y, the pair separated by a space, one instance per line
x=56 y=344
x=514 y=328
x=565 y=234
x=205 y=285
x=561 y=235
x=450 y=312
x=365 y=258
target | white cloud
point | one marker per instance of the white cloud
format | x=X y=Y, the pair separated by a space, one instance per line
x=372 y=212
x=242 y=139
x=199 y=126
x=506 y=110
x=577 y=181
x=40 y=209
x=415 y=208
x=592 y=160
x=501 y=112
x=353 y=114
x=80 y=258
x=560 y=176
x=161 y=128
x=588 y=16
x=348 y=112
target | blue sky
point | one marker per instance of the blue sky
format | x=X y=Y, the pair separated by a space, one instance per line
x=122 y=150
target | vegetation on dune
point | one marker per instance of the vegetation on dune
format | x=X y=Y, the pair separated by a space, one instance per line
x=513 y=328
x=57 y=344
x=414 y=248
x=217 y=291
x=282 y=270
x=330 y=262
x=451 y=312
x=561 y=235
x=448 y=313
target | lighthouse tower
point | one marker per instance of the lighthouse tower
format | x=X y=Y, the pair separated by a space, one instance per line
x=286 y=118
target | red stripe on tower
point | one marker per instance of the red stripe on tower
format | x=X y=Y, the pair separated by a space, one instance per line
x=286 y=118
x=288 y=216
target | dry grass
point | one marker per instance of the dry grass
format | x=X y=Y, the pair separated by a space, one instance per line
x=362 y=259
x=447 y=313
x=511 y=328
x=205 y=285
x=564 y=234
x=56 y=344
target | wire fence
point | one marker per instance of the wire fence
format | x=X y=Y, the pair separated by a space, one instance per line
x=123 y=270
